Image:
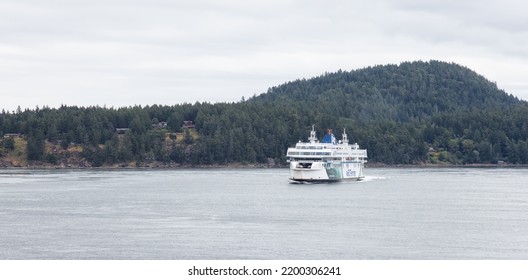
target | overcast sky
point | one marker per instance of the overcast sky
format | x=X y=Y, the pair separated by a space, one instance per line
x=126 y=52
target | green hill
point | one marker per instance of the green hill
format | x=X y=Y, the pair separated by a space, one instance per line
x=412 y=113
x=402 y=92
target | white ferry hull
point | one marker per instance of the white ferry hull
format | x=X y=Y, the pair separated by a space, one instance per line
x=321 y=172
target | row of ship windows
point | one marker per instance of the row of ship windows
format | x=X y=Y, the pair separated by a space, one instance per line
x=326 y=159
x=310 y=147
x=309 y=153
x=343 y=159
x=317 y=154
x=329 y=160
x=299 y=147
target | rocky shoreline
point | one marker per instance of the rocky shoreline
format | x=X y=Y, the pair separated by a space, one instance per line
x=135 y=165
x=160 y=165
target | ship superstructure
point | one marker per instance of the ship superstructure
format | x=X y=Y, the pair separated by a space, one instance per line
x=328 y=160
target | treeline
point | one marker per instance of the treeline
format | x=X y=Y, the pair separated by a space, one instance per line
x=410 y=113
x=95 y=130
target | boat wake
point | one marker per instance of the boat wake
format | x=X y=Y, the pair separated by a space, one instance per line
x=372 y=178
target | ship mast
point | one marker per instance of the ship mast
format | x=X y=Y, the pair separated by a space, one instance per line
x=345 y=137
x=312 y=137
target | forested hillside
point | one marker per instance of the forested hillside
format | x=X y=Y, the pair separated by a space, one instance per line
x=412 y=113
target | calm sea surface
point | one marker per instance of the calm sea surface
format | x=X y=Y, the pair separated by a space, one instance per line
x=396 y=213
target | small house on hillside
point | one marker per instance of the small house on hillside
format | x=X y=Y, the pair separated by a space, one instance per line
x=121 y=130
x=159 y=125
x=188 y=124
x=12 y=135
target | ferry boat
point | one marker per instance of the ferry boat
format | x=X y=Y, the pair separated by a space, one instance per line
x=328 y=160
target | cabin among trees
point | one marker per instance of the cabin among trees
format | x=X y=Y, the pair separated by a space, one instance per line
x=159 y=125
x=121 y=130
x=12 y=135
x=188 y=124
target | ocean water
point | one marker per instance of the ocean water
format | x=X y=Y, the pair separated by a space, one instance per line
x=395 y=213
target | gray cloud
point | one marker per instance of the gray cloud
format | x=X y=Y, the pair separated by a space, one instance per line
x=120 y=53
